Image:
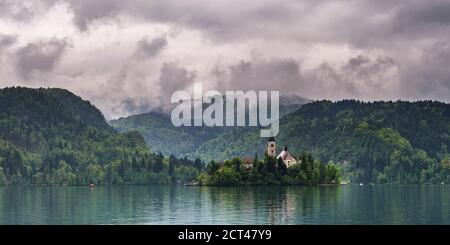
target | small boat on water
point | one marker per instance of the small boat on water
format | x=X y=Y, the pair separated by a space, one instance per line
x=193 y=183
x=91 y=185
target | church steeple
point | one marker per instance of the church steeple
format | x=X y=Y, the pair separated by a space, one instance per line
x=271 y=150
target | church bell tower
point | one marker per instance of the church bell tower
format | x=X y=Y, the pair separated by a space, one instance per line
x=271 y=147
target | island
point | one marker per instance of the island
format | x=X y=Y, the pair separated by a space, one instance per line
x=281 y=169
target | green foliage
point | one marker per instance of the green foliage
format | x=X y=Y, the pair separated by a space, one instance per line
x=376 y=142
x=185 y=173
x=51 y=136
x=226 y=176
x=269 y=171
x=162 y=136
x=212 y=167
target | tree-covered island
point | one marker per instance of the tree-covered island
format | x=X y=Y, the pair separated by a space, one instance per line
x=273 y=169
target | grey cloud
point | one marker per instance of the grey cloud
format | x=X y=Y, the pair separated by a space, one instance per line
x=219 y=76
x=218 y=19
x=39 y=56
x=276 y=74
x=363 y=66
x=132 y=106
x=173 y=78
x=88 y=11
x=429 y=77
x=435 y=12
x=23 y=10
x=222 y=21
x=359 y=77
x=364 y=23
x=7 y=40
x=150 y=48
x=14 y=9
x=403 y=43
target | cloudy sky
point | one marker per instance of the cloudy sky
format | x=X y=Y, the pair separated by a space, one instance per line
x=129 y=56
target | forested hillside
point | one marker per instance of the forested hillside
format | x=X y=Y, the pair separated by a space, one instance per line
x=396 y=142
x=51 y=136
x=162 y=136
x=379 y=142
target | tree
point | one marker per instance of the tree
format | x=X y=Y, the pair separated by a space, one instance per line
x=172 y=164
x=158 y=166
x=282 y=169
x=3 y=180
x=270 y=164
x=198 y=163
x=225 y=176
x=212 y=167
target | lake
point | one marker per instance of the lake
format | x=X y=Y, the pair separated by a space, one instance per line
x=349 y=204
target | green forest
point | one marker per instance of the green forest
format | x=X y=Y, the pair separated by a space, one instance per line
x=372 y=142
x=162 y=136
x=51 y=136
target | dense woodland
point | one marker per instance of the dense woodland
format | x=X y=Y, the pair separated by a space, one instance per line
x=51 y=136
x=379 y=142
x=376 y=142
x=162 y=136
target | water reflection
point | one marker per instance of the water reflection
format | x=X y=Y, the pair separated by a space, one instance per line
x=225 y=205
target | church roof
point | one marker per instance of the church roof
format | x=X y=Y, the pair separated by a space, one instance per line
x=247 y=160
x=285 y=155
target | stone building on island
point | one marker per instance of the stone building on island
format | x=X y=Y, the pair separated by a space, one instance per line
x=287 y=158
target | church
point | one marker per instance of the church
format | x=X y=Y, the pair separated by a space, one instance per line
x=287 y=158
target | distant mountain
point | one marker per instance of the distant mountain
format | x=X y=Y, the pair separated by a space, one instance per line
x=162 y=136
x=51 y=136
x=288 y=103
x=402 y=142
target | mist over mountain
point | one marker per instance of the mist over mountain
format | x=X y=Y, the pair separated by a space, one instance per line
x=162 y=136
x=52 y=136
x=404 y=142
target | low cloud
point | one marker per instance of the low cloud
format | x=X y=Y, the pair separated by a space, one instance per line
x=130 y=56
x=132 y=106
x=150 y=48
x=87 y=12
x=360 y=77
x=274 y=74
x=429 y=76
x=7 y=40
x=39 y=56
x=173 y=78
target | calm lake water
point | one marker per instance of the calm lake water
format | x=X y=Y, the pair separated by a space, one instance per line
x=226 y=205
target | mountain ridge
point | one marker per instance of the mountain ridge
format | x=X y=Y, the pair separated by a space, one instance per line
x=373 y=141
x=165 y=138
